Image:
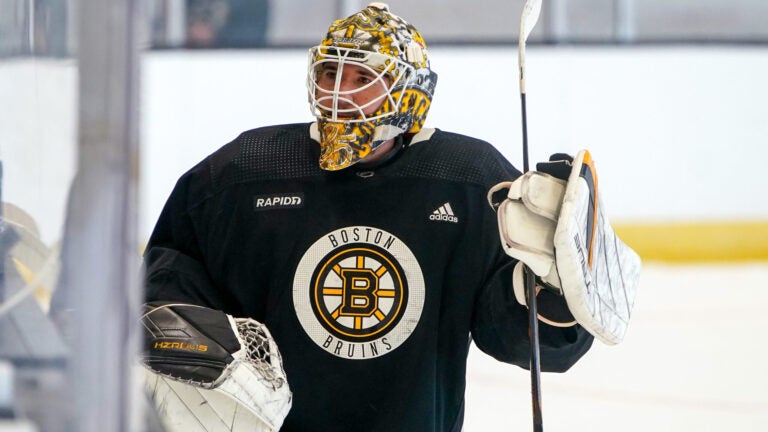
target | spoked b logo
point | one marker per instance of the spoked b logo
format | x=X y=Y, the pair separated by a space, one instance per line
x=358 y=292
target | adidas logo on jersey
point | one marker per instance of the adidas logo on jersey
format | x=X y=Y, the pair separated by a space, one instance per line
x=444 y=213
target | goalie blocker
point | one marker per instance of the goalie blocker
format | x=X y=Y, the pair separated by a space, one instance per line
x=553 y=220
x=228 y=369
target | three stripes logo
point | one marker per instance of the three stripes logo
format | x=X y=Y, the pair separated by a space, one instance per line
x=444 y=213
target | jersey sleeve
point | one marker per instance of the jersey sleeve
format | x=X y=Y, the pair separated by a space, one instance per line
x=174 y=266
x=500 y=328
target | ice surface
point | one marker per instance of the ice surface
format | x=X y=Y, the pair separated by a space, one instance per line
x=693 y=360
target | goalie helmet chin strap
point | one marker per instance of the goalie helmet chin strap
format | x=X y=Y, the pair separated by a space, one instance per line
x=397 y=148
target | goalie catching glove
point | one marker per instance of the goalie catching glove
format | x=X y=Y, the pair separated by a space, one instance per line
x=206 y=359
x=553 y=220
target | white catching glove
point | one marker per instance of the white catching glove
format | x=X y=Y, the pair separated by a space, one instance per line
x=553 y=221
x=527 y=221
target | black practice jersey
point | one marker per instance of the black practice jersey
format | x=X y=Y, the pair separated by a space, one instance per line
x=373 y=281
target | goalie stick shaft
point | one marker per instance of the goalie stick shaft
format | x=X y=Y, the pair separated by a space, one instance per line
x=533 y=326
x=528 y=19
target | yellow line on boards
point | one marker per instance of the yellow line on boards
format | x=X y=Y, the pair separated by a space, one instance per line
x=697 y=241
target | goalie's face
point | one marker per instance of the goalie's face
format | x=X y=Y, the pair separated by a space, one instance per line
x=349 y=92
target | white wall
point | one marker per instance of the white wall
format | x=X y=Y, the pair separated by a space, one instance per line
x=678 y=133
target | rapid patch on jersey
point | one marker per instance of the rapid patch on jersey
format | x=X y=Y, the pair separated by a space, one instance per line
x=358 y=292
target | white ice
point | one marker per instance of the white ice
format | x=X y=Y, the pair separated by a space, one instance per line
x=694 y=359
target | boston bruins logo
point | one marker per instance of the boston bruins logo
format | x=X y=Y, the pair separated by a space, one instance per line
x=359 y=292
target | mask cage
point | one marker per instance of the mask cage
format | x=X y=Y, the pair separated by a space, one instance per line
x=325 y=102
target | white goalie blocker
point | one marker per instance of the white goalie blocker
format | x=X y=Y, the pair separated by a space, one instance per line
x=560 y=231
x=201 y=382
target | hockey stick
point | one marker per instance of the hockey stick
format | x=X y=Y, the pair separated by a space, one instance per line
x=528 y=19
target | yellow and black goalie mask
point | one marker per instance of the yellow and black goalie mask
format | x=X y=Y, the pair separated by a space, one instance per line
x=386 y=59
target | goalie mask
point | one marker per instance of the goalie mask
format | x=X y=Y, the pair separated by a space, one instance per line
x=369 y=81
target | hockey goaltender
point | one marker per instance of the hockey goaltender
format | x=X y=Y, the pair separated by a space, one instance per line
x=363 y=246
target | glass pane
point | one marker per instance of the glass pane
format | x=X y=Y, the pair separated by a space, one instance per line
x=259 y=23
x=38 y=116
